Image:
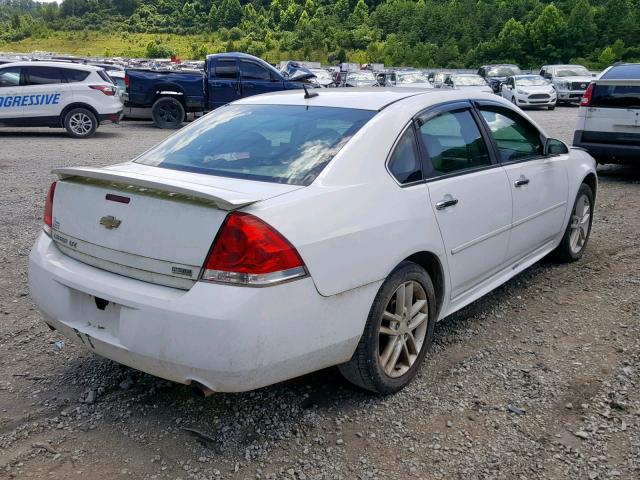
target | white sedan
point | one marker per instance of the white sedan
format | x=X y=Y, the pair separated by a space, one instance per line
x=286 y=233
x=530 y=91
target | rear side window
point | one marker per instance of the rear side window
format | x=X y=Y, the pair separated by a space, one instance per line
x=404 y=163
x=454 y=143
x=45 y=76
x=253 y=71
x=10 y=77
x=515 y=137
x=76 y=75
x=270 y=143
x=226 y=69
x=616 y=96
x=103 y=75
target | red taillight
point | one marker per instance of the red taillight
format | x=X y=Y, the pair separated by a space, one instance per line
x=586 y=98
x=48 y=209
x=106 y=89
x=248 y=251
x=126 y=79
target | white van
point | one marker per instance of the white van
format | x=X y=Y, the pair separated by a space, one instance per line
x=75 y=97
x=609 y=116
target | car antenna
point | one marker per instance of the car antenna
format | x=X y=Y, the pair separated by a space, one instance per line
x=308 y=94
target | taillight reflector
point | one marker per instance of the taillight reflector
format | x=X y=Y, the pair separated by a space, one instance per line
x=248 y=251
x=48 y=209
x=126 y=79
x=588 y=94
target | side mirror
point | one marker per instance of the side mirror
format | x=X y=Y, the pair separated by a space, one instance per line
x=554 y=146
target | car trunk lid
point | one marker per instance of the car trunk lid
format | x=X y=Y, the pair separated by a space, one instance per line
x=148 y=223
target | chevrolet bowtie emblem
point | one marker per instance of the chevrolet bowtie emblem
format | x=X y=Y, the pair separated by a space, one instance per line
x=110 y=222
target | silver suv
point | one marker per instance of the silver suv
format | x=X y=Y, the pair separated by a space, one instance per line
x=570 y=81
x=609 y=116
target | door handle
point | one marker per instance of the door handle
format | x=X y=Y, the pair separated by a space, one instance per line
x=449 y=201
x=521 y=181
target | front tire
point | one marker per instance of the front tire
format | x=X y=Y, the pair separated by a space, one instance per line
x=578 y=230
x=80 y=123
x=167 y=112
x=398 y=332
x=551 y=107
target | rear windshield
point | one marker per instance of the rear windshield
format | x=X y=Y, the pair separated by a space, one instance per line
x=616 y=96
x=271 y=143
x=104 y=76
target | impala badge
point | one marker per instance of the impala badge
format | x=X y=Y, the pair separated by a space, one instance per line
x=110 y=222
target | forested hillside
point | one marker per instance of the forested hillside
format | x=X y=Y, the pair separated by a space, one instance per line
x=447 y=33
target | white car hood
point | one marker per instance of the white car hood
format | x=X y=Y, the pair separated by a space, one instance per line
x=414 y=85
x=475 y=88
x=547 y=89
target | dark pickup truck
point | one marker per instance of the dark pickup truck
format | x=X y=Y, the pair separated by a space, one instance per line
x=227 y=77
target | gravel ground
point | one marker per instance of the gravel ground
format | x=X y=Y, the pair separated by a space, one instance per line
x=539 y=379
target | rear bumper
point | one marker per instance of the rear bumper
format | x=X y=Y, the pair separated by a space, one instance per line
x=225 y=337
x=110 y=117
x=608 y=152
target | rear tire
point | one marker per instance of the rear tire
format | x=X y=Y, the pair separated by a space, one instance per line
x=578 y=230
x=167 y=112
x=80 y=123
x=398 y=332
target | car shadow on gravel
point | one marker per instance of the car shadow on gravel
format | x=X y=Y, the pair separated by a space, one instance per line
x=55 y=133
x=625 y=173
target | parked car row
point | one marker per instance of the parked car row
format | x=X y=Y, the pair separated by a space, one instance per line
x=81 y=97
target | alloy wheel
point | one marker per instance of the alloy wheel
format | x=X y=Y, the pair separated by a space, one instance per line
x=80 y=124
x=403 y=329
x=580 y=219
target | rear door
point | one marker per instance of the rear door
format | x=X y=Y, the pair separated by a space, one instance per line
x=224 y=82
x=539 y=184
x=614 y=113
x=46 y=91
x=10 y=95
x=256 y=79
x=469 y=193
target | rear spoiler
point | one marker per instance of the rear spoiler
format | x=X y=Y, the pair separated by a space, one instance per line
x=222 y=198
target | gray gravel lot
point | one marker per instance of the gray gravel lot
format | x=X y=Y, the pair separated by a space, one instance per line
x=540 y=379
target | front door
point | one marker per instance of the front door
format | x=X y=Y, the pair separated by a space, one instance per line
x=469 y=193
x=10 y=96
x=539 y=184
x=224 y=82
x=256 y=79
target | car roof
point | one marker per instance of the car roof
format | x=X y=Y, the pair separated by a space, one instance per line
x=70 y=65
x=374 y=98
x=625 y=71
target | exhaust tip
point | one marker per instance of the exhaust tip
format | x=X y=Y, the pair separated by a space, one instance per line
x=200 y=390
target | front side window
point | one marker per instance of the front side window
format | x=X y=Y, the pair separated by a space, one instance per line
x=10 y=77
x=271 y=143
x=45 y=76
x=404 y=163
x=515 y=137
x=226 y=69
x=454 y=143
x=253 y=71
